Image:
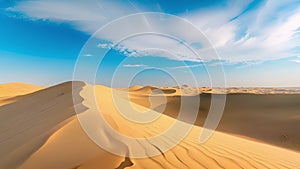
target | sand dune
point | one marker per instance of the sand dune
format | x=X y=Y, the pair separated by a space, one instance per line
x=189 y=91
x=135 y=88
x=255 y=113
x=12 y=92
x=147 y=90
x=17 y=88
x=47 y=134
x=250 y=90
x=27 y=123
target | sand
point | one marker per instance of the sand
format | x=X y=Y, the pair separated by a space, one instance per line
x=261 y=114
x=42 y=131
x=12 y=92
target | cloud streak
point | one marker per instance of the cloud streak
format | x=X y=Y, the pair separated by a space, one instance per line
x=88 y=55
x=154 y=45
x=134 y=65
x=296 y=61
x=240 y=31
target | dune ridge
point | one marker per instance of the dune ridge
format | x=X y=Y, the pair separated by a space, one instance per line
x=189 y=90
x=17 y=88
x=274 y=115
x=57 y=139
x=27 y=123
x=11 y=92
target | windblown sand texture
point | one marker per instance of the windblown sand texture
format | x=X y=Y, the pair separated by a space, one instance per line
x=42 y=130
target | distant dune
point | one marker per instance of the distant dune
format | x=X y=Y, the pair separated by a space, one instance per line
x=17 y=88
x=11 y=92
x=262 y=114
x=41 y=131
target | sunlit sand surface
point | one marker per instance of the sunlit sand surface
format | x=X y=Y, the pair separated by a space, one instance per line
x=42 y=130
x=12 y=92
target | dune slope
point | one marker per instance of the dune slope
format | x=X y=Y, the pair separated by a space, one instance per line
x=269 y=118
x=17 y=88
x=12 y=92
x=47 y=134
x=26 y=124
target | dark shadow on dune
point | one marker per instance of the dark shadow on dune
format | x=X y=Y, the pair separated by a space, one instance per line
x=165 y=91
x=27 y=124
x=270 y=118
x=126 y=163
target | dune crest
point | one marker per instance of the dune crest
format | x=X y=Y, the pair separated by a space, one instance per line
x=48 y=135
x=64 y=144
x=11 y=92
x=17 y=88
x=27 y=123
x=275 y=114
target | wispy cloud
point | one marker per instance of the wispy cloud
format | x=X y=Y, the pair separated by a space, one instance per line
x=87 y=16
x=134 y=65
x=106 y=45
x=296 y=61
x=88 y=55
x=266 y=32
x=240 y=31
x=153 y=45
x=186 y=66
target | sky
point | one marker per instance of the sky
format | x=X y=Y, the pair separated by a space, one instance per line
x=224 y=43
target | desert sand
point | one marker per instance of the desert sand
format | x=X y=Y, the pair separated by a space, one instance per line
x=267 y=115
x=42 y=130
x=12 y=92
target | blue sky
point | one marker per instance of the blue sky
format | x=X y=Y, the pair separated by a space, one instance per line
x=257 y=42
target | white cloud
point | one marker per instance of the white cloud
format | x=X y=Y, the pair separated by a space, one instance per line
x=186 y=66
x=252 y=37
x=296 y=61
x=88 y=55
x=87 y=16
x=106 y=45
x=134 y=65
x=267 y=33
x=153 y=45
